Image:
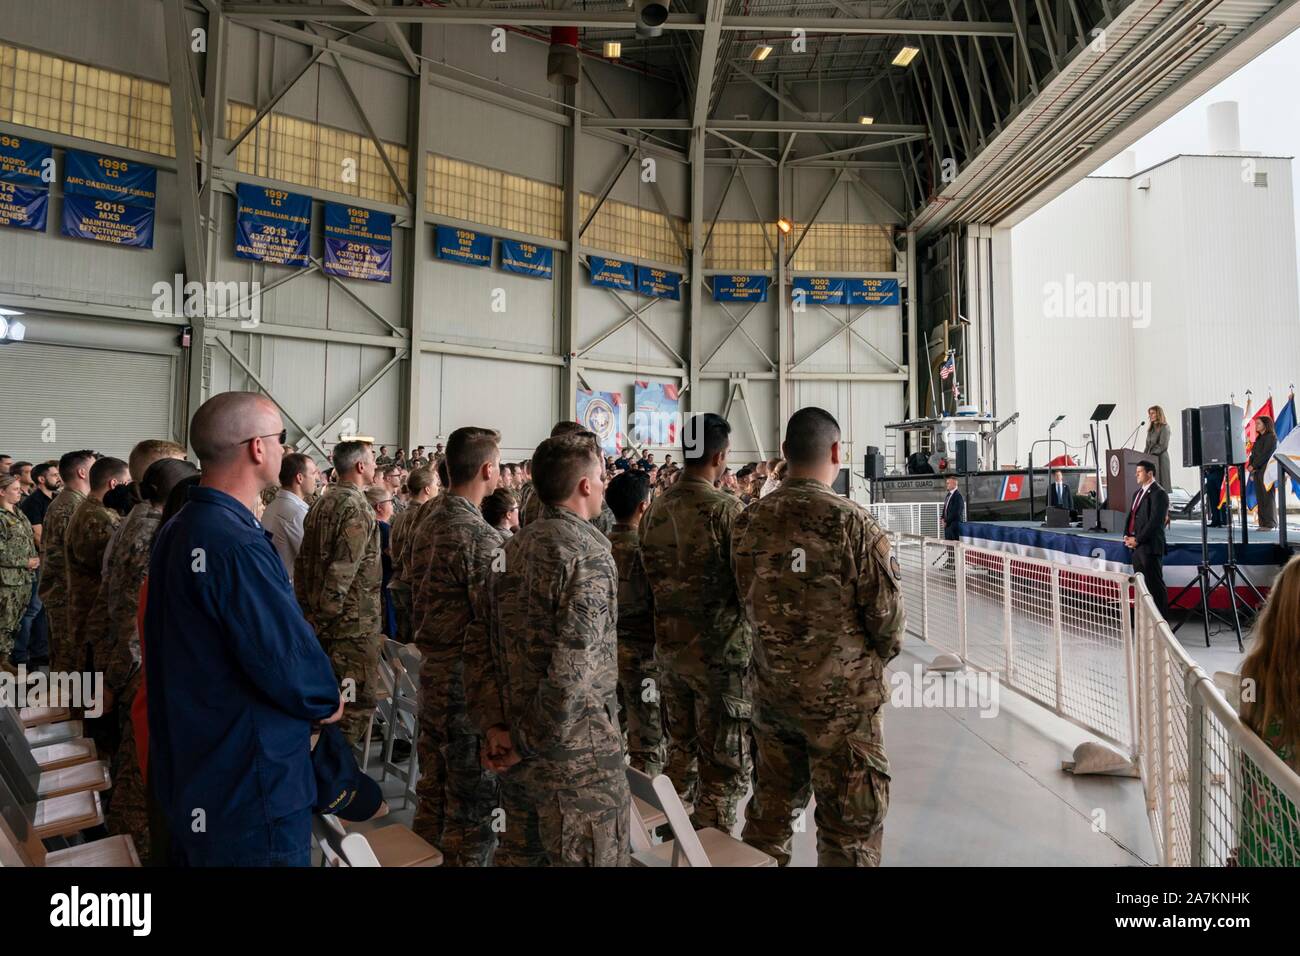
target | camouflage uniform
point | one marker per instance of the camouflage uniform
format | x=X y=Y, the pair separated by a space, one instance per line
x=702 y=645
x=268 y=495
x=398 y=587
x=118 y=653
x=556 y=646
x=531 y=508
x=337 y=576
x=821 y=589
x=85 y=543
x=455 y=550
x=53 y=589
x=638 y=678
x=17 y=547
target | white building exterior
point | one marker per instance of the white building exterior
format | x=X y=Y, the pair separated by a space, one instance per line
x=1174 y=286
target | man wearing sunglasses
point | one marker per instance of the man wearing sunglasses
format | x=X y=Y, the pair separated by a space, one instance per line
x=235 y=674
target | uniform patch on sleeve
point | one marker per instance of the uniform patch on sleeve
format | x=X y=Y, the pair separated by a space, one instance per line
x=884 y=556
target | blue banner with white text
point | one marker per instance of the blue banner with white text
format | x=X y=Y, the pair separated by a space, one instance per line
x=358 y=243
x=462 y=245
x=612 y=273
x=740 y=288
x=527 y=259
x=658 y=283
x=273 y=226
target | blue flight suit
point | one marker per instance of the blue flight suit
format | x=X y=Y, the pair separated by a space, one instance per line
x=236 y=677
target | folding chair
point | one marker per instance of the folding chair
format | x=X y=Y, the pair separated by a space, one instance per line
x=55 y=806
x=390 y=845
x=48 y=756
x=688 y=847
x=20 y=842
x=404 y=718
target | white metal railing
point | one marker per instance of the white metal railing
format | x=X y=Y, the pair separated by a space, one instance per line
x=908 y=517
x=1091 y=647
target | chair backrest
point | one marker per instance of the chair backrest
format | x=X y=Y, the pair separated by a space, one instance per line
x=14 y=738
x=353 y=849
x=19 y=844
x=660 y=794
x=18 y=769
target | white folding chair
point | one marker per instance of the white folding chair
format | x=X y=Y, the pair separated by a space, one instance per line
x=390 y=845
x=688 y=847
x=405 y=717
x=20 y=840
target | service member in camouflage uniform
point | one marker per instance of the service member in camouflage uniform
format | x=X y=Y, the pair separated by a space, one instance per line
x=555 y=637
x=126 y=567
x=455 y=550
x=74 y=470
x=85 y=541
x=702 y=641
x=337 y=578
x=530 y=506
x=18 y=562
x=422 y=487
x=628 y=496
x=821 y=590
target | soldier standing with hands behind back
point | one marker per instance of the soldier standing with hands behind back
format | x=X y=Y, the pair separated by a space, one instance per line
x=821 y=589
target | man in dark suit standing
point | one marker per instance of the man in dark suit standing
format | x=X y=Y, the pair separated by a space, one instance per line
x=954 y=511
x=1145 y=532
x=1060 y=495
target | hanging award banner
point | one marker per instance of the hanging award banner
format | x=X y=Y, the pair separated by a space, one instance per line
x=872 y=291
x=273 y=226
x=817 y=291
x=23 y=207
x=612 y=273
x=104 y=177
x=103 y=220
x=358 y=243
x=463 y=246
x=740 y=288
x=25 y=161
x=526 y=259
x=658 y=283
x=656 y=409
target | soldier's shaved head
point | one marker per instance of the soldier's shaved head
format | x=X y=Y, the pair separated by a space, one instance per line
x=226 y=421
x=809 y=435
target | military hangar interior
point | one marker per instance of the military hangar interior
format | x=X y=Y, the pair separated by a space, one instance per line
x=625 y=215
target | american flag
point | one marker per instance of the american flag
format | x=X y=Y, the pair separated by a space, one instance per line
x=948 y=367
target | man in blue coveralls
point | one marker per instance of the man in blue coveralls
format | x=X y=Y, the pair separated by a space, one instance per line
x=236 y=676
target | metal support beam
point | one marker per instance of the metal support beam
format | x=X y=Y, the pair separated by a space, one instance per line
x=269 y=105
x=569 y=278
x=370 y=129
x=417 y=247
x=695 y=291
x=708 y=61
x=306 y=432
x=752 y=126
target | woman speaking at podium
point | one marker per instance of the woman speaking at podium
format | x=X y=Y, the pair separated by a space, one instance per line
x=1158 y=444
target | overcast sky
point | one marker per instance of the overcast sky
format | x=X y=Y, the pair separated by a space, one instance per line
x=1267 y=106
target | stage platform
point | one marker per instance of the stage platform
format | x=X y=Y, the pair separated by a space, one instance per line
x=1259 y=560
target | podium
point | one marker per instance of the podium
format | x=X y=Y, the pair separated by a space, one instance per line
x=1121 y=486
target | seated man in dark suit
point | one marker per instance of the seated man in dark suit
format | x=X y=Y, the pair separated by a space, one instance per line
x=1059 y=494
x=1144 y=532
x=954 y=511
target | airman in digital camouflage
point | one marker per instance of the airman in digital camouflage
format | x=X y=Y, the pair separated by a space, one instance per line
x=451 y=560
x=820 y=587
x=74 y=470
x=530 y=506
x=85 y=541
x=337 y=577
x=628 y=496
x=555 y=640
x=702 y=640
x=422 y=486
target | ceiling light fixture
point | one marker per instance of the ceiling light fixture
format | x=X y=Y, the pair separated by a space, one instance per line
x=760 y=53
x=866 y=120
x=785 y=225
x=613 y=49
x=906 y=55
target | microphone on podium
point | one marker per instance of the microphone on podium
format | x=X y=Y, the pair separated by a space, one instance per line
x=1132 y=437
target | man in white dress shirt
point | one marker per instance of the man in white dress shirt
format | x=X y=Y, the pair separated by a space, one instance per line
x=284 y=515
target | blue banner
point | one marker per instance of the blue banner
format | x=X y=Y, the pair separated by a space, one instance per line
x=818 y=291
x=24 y=208
x=872 y=291
x=272 y=226
x=461 y=245
x=602 y=413
x=740 y=288
x=103 y=177
x=526 y=258
x=102 y=220
x=658 y=283
x=358 y=243
x=612 y=273
x=23 y=161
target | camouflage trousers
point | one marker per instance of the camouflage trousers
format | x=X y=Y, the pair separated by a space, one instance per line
x=64 y=657
x=707 y=711
x=355 y=659
x=457 y=800
x=128 y=811
x=13 y=604
x=584 y=826
x=840 y=761
x=402 y=611
x=519 y=834
x=642 y=722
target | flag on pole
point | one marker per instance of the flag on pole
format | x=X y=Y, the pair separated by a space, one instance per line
x=949 y=366
x=1252 y=429
x=1288 y=443
x=1232 y=479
